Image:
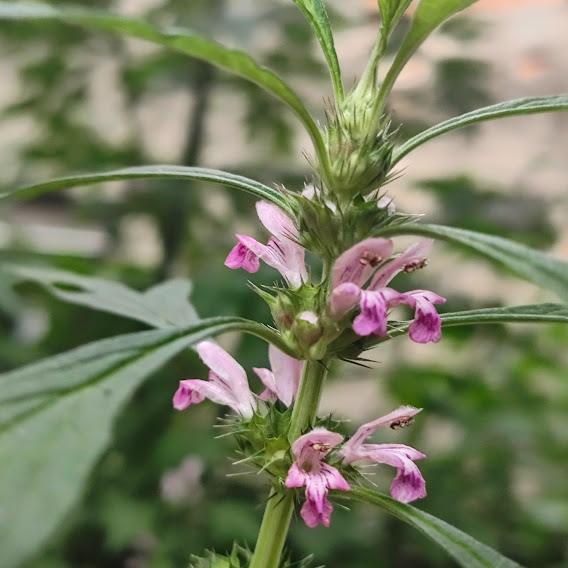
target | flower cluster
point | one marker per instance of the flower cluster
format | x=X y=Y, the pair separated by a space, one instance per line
x=354 y=293
x=360 y=276
x=228 y=385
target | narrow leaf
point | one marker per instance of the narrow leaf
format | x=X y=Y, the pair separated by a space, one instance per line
x=57 y=416
x=315 y=13
x=178 y=39
x=532 y=265
x=532 y=313
x=391 y=12
x=164 y=305
x=531 y=105
x=464 y=549
x=428 y=16
x=159 y=171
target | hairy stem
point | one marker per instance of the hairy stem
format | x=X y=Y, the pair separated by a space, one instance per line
x=278 y=512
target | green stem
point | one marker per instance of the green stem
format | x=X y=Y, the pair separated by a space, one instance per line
x=368 y=82
x=307 y=399
x=273 y=530
x=280 y=506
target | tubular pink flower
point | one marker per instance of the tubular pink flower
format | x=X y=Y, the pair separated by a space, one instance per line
x=354 y=267
x=408 y=484
x=281 y=252
x=227 y=383
x=283 y=380
x=317 y=476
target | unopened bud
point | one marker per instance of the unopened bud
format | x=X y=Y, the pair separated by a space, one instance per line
x=307 y=329
x=310 y=317
x=283 y=311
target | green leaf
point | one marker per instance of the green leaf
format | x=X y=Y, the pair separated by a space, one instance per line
x=391 y=12
x=501 y=110
x=464 y=549
x=162 y=306
x=532 y=265
x=178 y=39
x=57 y=416
x=159 y=171
x=428 y=16
x=532 y=313
x=315 y=13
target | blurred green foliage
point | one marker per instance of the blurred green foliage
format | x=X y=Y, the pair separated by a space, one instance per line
x=495 y=422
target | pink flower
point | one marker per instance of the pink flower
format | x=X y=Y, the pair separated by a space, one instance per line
x=227 y=384
x=408 y=484
x=353 y=269
x=317 y=476
x=281 y=252
x=283 y=380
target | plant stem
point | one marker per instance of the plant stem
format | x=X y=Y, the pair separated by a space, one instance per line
x=273 y=531
x=278 y=512
x=368 y=81
x=307 y=399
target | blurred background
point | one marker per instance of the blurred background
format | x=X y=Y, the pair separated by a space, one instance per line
x=495 y=424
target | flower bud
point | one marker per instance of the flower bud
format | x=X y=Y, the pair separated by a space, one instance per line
x=307 y=329
x=359 y=147
x=283 y=310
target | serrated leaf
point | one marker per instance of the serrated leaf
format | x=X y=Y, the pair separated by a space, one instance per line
x=428 y=16
x=531 y=105
x=164 y=305
x=463 y=548
x=149 y=172
x=178 y=39
x=57 y=416
x=315 y=13
x=530 y=264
